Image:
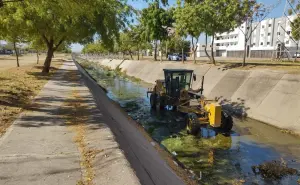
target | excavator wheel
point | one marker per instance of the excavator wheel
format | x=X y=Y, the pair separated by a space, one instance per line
x=192 y=124
x=226 y=122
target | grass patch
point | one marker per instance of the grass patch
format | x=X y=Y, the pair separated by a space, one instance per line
x=18 y=87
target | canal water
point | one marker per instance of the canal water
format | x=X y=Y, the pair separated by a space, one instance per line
x=212 y=157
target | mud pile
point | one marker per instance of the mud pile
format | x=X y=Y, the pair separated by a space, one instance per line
x=274 y=170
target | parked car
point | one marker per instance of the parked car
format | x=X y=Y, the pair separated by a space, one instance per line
x=176 y=57
x=296 y=55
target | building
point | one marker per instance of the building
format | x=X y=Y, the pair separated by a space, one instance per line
x=201 y=50
x=271 y=38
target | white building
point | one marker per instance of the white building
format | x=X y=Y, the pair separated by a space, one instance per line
x=266 y=39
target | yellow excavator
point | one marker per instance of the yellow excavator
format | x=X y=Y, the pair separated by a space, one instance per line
x=175 y=91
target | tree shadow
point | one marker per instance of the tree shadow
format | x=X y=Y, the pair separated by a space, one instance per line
x=4 y=58
x=251 y=65
x=234 y=108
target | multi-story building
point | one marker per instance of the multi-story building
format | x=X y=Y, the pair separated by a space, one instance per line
x=269 y=38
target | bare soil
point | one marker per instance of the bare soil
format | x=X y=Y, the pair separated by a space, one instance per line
x=18 y=87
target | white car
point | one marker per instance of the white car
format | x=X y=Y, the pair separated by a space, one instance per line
x=296 y=55
x=176 y=57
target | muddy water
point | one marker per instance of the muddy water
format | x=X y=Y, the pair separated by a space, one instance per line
x=212 y=157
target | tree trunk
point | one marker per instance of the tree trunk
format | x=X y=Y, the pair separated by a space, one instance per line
x=205 y=48
x=138 y=50
x=130 y=55
x=155 y=51
x=17 y=54
x=37 y=57
x=212 y=50
x=166 y=49
x=48 y=59
x=245 y=52
x=297 y=47
x=161 y=52
x=182 y=57
x=195 y=51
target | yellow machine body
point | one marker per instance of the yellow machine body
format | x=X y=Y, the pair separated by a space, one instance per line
x=214 y=114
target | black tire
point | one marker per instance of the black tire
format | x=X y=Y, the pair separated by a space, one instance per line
x=174 y=108
x=159 y=103
x=226 y=122
x=153 y=101
x=192 y=124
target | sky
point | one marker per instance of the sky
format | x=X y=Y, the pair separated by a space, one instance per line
x=140 y=4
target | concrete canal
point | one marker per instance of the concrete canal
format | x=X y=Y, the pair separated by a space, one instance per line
x=212 y=157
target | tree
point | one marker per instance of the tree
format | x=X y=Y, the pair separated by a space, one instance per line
x=295 y=9
x=296 y=29
x=188 y=21
x=251 y=12
x=64 y=48
x=222 y=16
x=126 y=43
x=175 y=45
x=38 y=45
x=10 y=29
x=94 y=48
x=2 y=2
x=155 y=21
x=69 y=21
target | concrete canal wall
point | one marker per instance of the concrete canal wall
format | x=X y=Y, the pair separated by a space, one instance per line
x=269 y=96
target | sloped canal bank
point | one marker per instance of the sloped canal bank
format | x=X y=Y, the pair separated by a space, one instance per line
x=213 y=158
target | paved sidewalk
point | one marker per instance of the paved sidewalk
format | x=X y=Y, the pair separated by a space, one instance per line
x=40 y=148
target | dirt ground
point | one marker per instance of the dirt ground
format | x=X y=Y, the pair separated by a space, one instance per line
x=18 y=86
x=9 y=61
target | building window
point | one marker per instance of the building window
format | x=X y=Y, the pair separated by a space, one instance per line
x=268 y=43
x=270 y=25
x=218 y=44
x=263 y=26
x=253 y=44
x=262 y=35
x=278 y=33
x=287 y=42
x=261 y=43
x=288 y=32
x=269 y=34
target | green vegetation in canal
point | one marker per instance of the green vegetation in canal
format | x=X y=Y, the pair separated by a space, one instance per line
x=205 y=156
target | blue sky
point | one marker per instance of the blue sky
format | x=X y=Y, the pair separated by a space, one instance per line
x=140 y=4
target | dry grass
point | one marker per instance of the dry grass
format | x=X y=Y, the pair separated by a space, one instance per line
x=76 y=115
x=17 y=88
